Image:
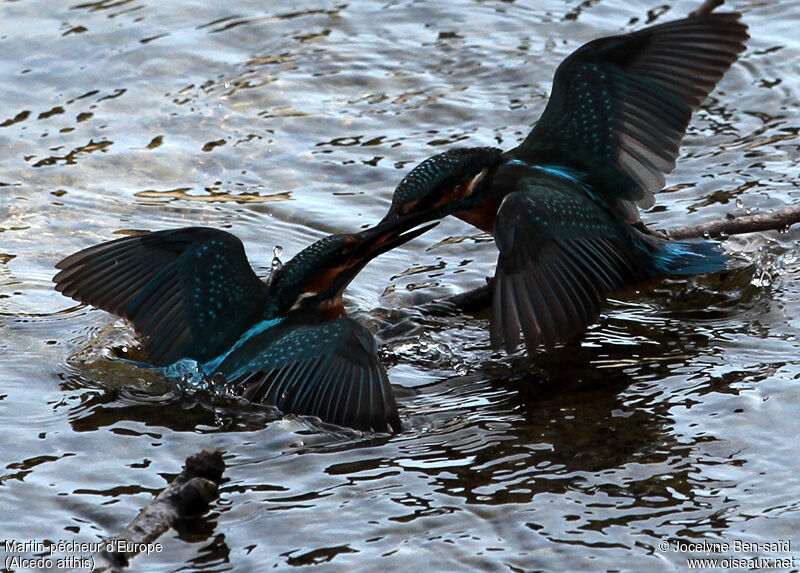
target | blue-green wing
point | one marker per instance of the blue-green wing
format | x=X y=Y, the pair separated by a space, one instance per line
x=620 y=105
x=189 y=293
x=330 y=370
x=561 y=255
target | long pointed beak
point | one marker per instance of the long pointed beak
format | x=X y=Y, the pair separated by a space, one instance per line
x=387 y=235
x=360 y=248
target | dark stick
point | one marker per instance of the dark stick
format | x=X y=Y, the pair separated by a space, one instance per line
x=480 y=298
x=779 y=220
x=707 y=7
x=187 y=496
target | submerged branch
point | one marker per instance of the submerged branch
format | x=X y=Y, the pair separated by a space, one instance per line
x=187 y=496
x=480 y=298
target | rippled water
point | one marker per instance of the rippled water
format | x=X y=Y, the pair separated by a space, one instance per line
x=676 y=419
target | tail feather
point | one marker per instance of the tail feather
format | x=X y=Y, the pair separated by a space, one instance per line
x=690 y=257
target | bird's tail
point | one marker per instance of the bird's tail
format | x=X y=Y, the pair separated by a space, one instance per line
x=689 y=257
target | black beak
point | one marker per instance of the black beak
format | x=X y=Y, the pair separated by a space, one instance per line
x=387 y=235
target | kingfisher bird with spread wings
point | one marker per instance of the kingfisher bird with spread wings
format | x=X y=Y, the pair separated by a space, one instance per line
x=563 y=205
x=190 y=293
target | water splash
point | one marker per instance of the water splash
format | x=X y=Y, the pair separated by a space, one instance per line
x=766 y=269
x=187 y=372
x=762 y=280
x=276 y=265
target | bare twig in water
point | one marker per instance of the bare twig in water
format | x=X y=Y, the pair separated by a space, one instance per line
x=187 y=496
x=779 y=220
x=480 y=298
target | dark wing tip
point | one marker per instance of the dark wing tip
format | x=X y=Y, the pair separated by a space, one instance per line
x=552 y=300
x=321 y=396
x=145 y=278
x=341 y=382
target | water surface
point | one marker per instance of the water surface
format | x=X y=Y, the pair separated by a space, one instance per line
x=675 y=420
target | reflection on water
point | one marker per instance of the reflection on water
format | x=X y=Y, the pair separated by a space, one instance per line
x=674 y=419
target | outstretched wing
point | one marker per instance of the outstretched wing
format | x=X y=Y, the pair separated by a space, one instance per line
x=189 y=293
x=620 y=105
x=329 y=370
x=561 y=255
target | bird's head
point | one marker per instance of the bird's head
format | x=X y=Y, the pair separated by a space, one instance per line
x=440 y=184
x=315 y=278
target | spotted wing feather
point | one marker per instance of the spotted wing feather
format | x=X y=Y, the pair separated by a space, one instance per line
x=620 y=105
x=189 y=293
x=330 y=370
x=561 y=255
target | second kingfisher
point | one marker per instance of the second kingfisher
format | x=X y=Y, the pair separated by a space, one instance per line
x=563 y=204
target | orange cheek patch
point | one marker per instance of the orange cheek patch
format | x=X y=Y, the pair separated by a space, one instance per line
x=482 y=216
x=324 y=280
x=454 y=194
x=332 y=309
x=409 y=207
x=449 y=195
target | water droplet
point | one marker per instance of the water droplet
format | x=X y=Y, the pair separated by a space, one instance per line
x=277 y=265
x=763 y=280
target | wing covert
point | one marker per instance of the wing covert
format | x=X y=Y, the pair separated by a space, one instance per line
x=620 y=105
x=561 y=255
x=188 y=292
x=330 y=370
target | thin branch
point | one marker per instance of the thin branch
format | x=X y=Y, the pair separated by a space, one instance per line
x=187 y=496
x=777 y=221
x=480 y=298
x=707 y=7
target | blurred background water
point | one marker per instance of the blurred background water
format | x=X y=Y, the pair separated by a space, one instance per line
x=676 y=419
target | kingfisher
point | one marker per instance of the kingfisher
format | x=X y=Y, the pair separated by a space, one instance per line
x=191 y=295
x=563 y=205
